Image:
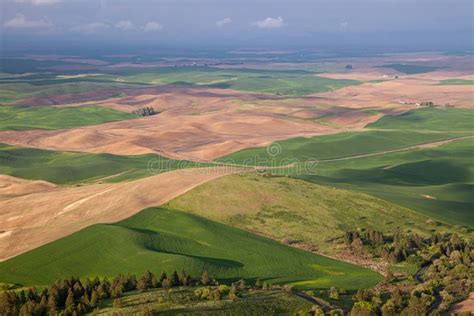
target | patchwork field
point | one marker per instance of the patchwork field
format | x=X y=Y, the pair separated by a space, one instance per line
x=253 y=165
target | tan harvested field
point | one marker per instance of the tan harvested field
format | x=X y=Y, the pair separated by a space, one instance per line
x=35 y=212
x=199 y=124
x=11 y=186
x=410 y=90
x=202 y=123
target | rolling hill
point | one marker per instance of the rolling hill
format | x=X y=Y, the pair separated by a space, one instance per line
x=296 y=210
x=161 y=239
x=62 y=167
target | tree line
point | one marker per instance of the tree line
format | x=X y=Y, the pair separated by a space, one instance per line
x=74 y=297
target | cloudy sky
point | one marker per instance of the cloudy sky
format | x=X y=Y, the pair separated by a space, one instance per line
x=395 y=24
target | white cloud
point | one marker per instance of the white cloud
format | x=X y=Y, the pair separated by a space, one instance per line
x=89 y=28
x=152 y=26
x=223 y=22
x=344 y=24
x=125 y=25
x=21 y=22
x=270 y=23
x=38 y=2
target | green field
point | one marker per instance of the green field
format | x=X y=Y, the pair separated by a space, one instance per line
x=435 y=181
x=334 y=146
x=411 y=69
x=72 y=167
x=270 y=81
x=434 y=119
x=290 y=82
x=281 y=207
x=24 y=118
x=164 y=239
x=457 y=82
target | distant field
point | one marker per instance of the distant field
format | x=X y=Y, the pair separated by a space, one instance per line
x=334 y=146
x=16 y=91
x=269 y=81
x=281 y=207
x=436 y=119
x=457 y=82
x=410 y=69
x=164 y=239
x=291 y=82
x=71 y=167
x=23 y=118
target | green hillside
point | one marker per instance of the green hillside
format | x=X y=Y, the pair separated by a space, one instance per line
x=286 y=208
x=164 y=239
x=436 y=119
x=435 y=181
x=23 y=118
x=333 y=146
x=71 y=167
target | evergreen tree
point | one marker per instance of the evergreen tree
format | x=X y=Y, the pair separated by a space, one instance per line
x=162 y=277
x=117 y=290
x=69 y=305
x=22 y=297
x=142 y=285
x=175 y=278
x=167 y=283
x=94 y=299
x=184 y=278
x=205 y=280
x=32 y=296
x=78 y=290
x=53 y=300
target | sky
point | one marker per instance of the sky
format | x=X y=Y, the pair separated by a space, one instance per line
x=325 y=24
